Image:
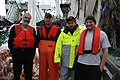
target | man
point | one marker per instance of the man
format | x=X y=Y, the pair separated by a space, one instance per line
x=66 y=46
x=47 y=35
x=21 y=43
x=93 y=44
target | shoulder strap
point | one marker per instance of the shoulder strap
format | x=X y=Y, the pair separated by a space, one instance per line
x=82 y=41
x=42 y=31
x=96 y=41
x=30 y=29
x=18 y=29
x=53 y=31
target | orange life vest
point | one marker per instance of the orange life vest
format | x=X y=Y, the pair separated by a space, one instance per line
x=23 y=39
x=95 y=44
x=51 y=35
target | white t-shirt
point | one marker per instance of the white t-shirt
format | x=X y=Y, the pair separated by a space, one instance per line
x=90 y=59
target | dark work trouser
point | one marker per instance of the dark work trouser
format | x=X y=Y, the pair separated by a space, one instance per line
x=23 y=57
x=87 y=72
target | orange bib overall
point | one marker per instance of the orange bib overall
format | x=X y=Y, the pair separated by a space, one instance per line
x=48 y=69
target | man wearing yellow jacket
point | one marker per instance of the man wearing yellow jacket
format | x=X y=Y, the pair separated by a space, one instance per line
x=66 y=46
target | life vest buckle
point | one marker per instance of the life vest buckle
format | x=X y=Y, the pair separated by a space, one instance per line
x=25 y=44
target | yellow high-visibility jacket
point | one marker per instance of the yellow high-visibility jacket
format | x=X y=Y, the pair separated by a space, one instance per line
x=66 y=47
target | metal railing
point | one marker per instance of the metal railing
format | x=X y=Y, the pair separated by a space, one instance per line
x=112 y=68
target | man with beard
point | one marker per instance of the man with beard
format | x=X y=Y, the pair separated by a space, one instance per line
x=93 y=44
x=47 y=35
x=22 y=45
x=66 y=47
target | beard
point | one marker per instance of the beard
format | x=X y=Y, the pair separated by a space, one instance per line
x=49 y=23
x=26 y=21
x=89 y=28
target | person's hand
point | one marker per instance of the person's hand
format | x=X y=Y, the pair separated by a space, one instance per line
x=58 y=63
x=101 y=68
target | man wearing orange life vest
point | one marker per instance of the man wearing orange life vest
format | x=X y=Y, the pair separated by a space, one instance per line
x=47 y=35
x=93 y=44
x=22 y=45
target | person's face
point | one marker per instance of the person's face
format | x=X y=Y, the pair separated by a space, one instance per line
x=90 y=24
x=71 y=24
x=48 y=20
x=26 y=19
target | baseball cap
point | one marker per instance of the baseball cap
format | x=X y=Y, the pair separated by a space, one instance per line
x=71 y=18
x=48 y=15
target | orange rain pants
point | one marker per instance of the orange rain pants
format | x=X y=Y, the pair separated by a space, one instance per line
x=48 y=69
